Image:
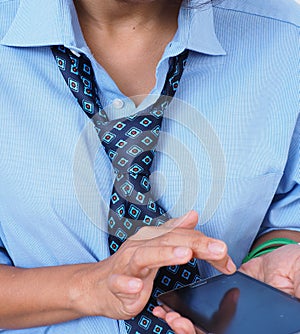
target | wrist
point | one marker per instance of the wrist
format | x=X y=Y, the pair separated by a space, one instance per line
x=87 y=290
x=267 y=247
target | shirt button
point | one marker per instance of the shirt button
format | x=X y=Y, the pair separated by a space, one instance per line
x=75 y=53
x=118 y=103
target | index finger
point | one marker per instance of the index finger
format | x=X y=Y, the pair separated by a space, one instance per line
x=144 y=259
x=188 y=221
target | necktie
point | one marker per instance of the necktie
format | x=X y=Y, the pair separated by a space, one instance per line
x=130 y=144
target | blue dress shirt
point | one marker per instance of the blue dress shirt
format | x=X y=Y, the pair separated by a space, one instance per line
x=229 y=146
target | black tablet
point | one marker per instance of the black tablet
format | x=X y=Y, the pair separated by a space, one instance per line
x=235 y=304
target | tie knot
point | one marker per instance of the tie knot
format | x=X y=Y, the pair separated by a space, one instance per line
x=130 y=142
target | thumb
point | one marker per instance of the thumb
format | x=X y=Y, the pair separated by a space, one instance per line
x=124 y=285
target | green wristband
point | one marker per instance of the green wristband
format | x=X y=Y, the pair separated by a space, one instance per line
x=267 y=247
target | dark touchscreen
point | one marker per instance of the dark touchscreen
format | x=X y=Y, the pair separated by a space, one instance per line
x=236 y=304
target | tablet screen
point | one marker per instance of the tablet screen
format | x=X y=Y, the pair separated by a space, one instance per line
x=236 y=304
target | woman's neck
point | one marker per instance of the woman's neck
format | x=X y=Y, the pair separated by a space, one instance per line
x=128 y=38
x=125 y=14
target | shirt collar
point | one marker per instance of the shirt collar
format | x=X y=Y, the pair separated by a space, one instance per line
x=52 y=23
x=55 y=22
x=198 y=29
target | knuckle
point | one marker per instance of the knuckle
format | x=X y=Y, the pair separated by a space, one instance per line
x=127 y=252
x=198 y=243
x=166 y=239
x=128 y=311
x=162 y=253
x=115 y=283
x=138 y=259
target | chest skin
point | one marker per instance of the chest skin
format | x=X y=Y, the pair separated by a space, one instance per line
x=130 y=54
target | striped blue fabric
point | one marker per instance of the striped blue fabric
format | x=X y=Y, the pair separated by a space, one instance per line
x=235 y=122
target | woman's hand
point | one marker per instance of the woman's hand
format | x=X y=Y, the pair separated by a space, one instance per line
x=179 y=324
x=280 y=268
x=120 y=286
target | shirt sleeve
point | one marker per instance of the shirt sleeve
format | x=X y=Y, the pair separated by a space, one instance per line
x=284 y=211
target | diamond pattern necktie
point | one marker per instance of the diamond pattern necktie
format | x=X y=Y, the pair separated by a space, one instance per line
x=130 y=144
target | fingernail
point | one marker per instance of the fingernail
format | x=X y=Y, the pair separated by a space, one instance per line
x=134 y=284
x=181 y=251
x=216 y=247
x=230 y=266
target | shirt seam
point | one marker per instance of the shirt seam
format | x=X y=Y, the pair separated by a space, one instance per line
x=258 y=15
